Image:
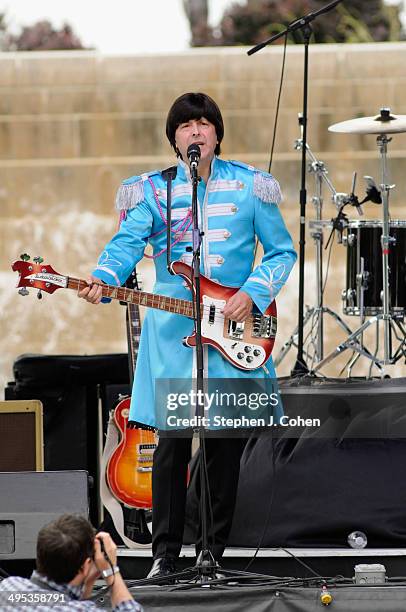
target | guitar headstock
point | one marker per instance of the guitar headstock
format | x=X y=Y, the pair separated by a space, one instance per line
x=38 y=275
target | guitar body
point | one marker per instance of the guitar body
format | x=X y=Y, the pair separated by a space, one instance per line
x=129 y=470
x=246 y=345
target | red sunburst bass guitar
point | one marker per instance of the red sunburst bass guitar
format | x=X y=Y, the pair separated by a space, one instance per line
x=246 y=345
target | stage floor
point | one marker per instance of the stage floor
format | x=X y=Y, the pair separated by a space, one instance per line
x=189 y=552
x=136 y=563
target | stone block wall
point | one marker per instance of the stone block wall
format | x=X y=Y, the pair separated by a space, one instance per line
x=73 y=124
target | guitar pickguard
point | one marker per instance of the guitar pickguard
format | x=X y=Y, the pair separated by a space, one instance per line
x=229 y=335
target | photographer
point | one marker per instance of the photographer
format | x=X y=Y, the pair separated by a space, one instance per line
x=70 y=557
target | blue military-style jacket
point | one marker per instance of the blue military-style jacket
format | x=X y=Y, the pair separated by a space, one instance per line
x=237 y=204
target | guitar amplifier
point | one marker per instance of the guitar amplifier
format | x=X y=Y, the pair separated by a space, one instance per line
x=67 y=386
x=21 y=435
x=30 y=500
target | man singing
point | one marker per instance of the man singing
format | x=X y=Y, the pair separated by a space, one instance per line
x=237 y=204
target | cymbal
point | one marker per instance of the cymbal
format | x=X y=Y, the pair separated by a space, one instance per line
x=388 y=124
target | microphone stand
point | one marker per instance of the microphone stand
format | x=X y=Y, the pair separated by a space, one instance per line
x=205 y=563
x=303 y=24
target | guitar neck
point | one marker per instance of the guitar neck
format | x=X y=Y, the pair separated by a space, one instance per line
x=142 y=298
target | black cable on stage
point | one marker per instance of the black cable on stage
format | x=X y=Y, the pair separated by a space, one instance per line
x=268 y=518
x=302 y=563
x=256 y=580
x=281 y=81
x=203 y=449
x=273 y=462
x=242 y=579
x=275 y=125
x=278 y=102
x=203 y=458
x=234 y=581
x=231 y=582
x=327 y=269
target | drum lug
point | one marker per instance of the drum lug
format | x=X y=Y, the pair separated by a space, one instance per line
x=362 y=279
x=351 y=238
x=348 y=295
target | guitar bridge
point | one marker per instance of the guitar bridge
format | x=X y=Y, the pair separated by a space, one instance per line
x=235 y=329
x=264 y=326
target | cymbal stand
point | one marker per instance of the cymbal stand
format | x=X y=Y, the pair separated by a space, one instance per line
x=382 y=142
x=315 y=314
x=391 y=325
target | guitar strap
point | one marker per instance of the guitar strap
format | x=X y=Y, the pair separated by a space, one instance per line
x=108 y=500
x=169 y=174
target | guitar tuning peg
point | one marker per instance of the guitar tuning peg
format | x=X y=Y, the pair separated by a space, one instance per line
x=39 y=294
x=25 y=257
x=38 y=260
x=23 y=291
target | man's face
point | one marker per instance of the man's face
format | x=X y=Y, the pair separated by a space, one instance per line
x=197 y=131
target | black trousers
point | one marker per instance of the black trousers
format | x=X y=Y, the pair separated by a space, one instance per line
x=169 y=486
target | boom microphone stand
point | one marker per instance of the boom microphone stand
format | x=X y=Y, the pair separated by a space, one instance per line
x=205 y=564
x=302 y=24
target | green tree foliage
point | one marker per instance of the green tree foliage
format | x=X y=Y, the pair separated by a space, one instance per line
x=40 y=36
x=251 y=21
x=197 y=12
x=3 y=31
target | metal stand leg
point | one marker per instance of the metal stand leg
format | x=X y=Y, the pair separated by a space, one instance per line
x=352 y=343
x=382 y=141
x=309 y=315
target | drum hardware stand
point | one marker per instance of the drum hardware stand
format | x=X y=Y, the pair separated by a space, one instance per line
x=382 y=142
x=390 y=323
x=362 y=285
x=304 y=25
x=316 y=313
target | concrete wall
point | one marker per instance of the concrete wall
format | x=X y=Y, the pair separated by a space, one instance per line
x=73 y=124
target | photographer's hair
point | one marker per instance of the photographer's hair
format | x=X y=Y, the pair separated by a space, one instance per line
x=194 y=106
x=63 y=546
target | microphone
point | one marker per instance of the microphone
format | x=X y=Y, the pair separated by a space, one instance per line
x=355 y=202
x=352 y=198
x=193 y=155
x=373 y=193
